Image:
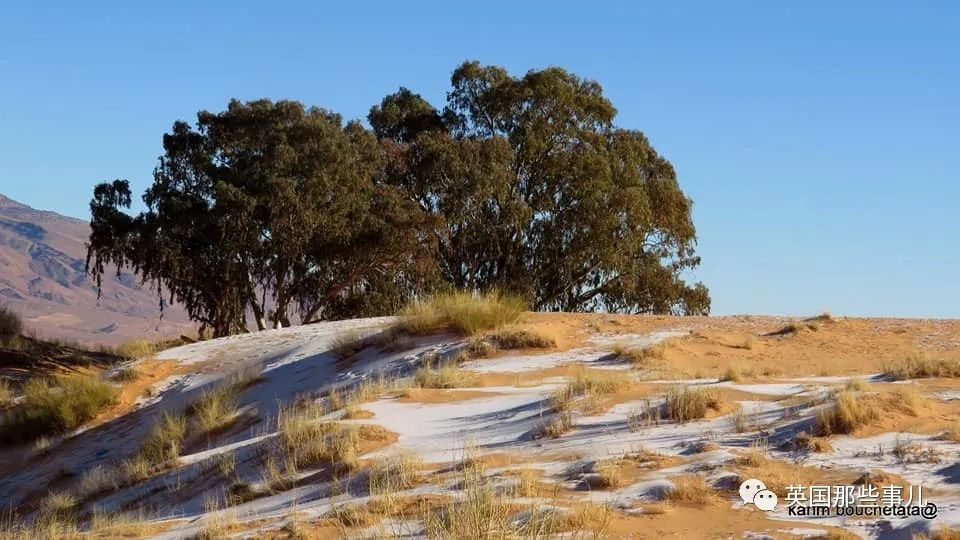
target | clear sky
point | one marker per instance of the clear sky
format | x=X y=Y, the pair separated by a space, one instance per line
x=818 y=140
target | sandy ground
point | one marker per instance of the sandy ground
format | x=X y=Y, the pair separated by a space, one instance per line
x=769 y=386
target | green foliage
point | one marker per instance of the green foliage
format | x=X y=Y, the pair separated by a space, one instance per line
x=266 y=203
x=522 y=185
x=51 y=406
x=537 y=192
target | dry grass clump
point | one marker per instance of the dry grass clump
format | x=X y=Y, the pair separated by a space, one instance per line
x=740 y=420
x=609 y=473
x=347 y=344
x=395 y=474
x=584 y=385
x=640 y=356
x=136 y=349
x=855 y=384
x=479 y=347
x=908 y=399
x=529 y=483
x=462 y=312
x=756 y=456
x=732 y=374
x=846 y=414
x=804 y=442
x=125 y=374
x=921 y=365
x=160 y=450
x=216 y=408
x=914 y=452
x=447 y=375
x=117 y=525
x=353 y=515
x=99 y=479
x=796 y=327
x=306 y=438
x=559 y=424
x=57 y=405
x=689 y=403
x=511 y=337
x=690 y=490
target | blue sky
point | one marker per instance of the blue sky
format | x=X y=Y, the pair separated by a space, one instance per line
x=819 y=141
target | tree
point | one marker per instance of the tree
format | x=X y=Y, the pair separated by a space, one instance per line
x=267 y=206
x=536 y=192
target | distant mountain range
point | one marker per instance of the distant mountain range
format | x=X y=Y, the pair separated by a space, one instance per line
x=42 y=277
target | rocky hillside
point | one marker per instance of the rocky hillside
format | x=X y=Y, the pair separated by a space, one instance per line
x=42 y=256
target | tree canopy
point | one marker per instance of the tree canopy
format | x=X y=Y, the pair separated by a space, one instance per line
x=539 y=194
x=268 y=211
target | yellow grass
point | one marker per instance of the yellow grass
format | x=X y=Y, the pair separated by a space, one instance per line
x=690 y=490
x=512 y=337
x=846 y=414
x=921 y=365
x=461 y=312
x=690 y=403
x=57 y=405
x=136 y=349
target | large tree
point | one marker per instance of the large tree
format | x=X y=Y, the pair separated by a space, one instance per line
x=270 y=207
x=538 y=193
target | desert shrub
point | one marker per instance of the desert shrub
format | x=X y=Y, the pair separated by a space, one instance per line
x=556 y=426
x=690 y=490
x=395 y=474
x=479 y=513
x=434 y=373
x=922 y=365
x=11 y=325
x=740 y=420
x=640 y=356
x=609 y=473
x=136 y=349
x=57 y=405
x=481 y=348
x=845 y=415
x=518 y=338
x=855 y=384
x=216 y=408
x=163 y=444
x=683 y=405
x=346 y=345
x=99 y=479
x=461 y=312
x=306 y=438
x=914 y=452
x=125 y=374
x=732 y=374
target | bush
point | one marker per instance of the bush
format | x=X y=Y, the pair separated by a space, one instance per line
x=464 y=313
x=847 y=414
x=518 y=338
x=11 y=325
x=690 y=403
x=920 y=366
x=162 y=446
x=690 y=489
x=136 y=349
x=58 y=405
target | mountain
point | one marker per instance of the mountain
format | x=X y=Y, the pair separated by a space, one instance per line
x=42 y=277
